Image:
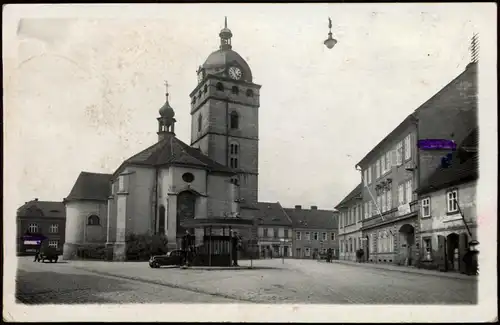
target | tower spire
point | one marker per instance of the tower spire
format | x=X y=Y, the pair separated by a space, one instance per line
x=166 y=89
x=166 y=121
x=225 y=37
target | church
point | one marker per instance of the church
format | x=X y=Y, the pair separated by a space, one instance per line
x=154 y=191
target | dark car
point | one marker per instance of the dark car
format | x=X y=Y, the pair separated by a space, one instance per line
x=48 y=253
x=171 y=258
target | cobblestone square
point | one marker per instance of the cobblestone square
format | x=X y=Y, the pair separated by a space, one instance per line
x=270 y=281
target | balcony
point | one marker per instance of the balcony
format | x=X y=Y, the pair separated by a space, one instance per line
x=405 y=211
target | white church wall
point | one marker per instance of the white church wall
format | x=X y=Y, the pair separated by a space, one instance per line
x=77 y=229
x=178 y=184
x=140 y=200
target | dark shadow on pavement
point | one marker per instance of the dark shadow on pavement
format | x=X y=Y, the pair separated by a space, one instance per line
x=36 y=288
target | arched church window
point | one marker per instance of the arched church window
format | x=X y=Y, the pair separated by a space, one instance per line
x=235 y=90
x=161 y=221
x=234 y=120
x=249 y=93
x=186 y=202
x=205 y=88
x=93 y=220
x=199 y=123
x=219 y=86
x=233 y=162
x=233 y=148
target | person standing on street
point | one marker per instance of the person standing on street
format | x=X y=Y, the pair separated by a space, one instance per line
x=234 y=246
x=185 y=248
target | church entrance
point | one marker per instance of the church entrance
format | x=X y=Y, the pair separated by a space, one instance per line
x=186 y=202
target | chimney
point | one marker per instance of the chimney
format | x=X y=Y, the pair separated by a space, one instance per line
x=36 y=199
x=314 y=207
x=298 y=207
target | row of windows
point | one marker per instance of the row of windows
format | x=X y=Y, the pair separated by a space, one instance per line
x=34 y=228
x=298 y=235
x=383 y=201
x=275 y=232
x=451 y=203
x=220 y=87
x=234 y=121
x=307 y=251
x=393 y=157
x=350 y=245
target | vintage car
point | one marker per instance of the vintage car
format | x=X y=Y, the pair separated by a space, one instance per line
x=47 y=253
x=171 y=258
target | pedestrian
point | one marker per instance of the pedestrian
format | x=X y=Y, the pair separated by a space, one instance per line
x=234 y=246
x=185 y=246
x=37 y=255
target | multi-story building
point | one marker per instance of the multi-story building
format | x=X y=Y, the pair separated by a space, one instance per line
x=388 y=203
x=447 y=216
x=394 y=168
x=314 y=230
x=349 y=224
x=274 y=230
x=40 y=219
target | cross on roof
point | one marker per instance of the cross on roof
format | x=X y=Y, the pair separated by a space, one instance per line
x=166 y=86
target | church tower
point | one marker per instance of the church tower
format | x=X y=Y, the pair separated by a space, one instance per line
x=225 y=117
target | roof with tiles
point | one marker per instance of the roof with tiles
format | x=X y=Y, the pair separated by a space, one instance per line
x=271 y=214
x=463 y=167
x=356 y=192
x=91 y=186
x=312 y=218
x=42 y=209
x=172 y=151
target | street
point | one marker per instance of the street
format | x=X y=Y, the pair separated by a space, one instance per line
x=295 y=281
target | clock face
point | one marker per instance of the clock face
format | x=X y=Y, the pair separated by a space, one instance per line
x=235 y=73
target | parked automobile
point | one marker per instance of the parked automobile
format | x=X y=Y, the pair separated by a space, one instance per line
x=47 y=253
x=171 y=258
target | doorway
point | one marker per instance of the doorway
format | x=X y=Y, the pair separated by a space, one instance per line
x=452 y=252
x=407 y=242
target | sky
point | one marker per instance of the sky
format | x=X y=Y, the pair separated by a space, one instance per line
x=84 y=85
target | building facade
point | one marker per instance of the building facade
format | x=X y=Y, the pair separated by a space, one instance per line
x=389 y=209
x=395 y=168
x=447 y=215
x=314 y=231
x=40 y=218
x=274 y=231
x=349 y=223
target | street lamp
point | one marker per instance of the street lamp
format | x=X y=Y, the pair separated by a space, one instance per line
x=330 y=41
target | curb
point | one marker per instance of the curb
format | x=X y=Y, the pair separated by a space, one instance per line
x=438 y=274
x=170 y=285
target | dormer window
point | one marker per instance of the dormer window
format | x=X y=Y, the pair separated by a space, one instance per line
x=235 y=90
x=219 y=86
x=205 y=88
x=249 y=93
